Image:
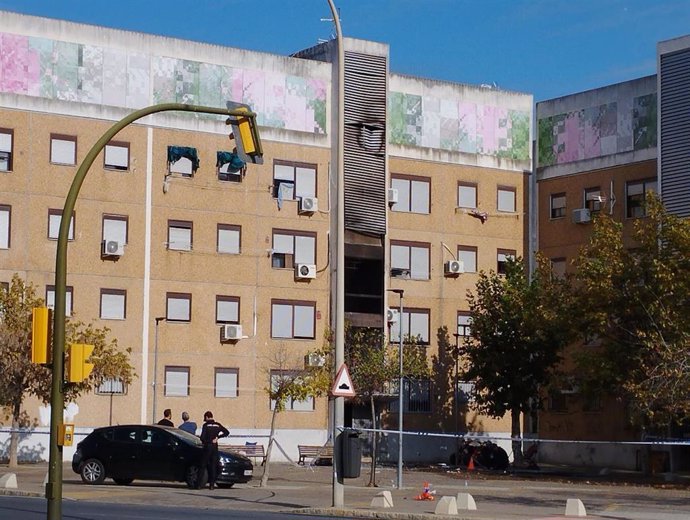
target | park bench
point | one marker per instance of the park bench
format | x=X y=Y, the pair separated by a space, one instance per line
x=320 y=454
x=254 y=451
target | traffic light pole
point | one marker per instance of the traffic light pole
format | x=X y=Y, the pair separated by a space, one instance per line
x=57 y=397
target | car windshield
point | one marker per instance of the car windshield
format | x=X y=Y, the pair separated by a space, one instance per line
x=185 y=436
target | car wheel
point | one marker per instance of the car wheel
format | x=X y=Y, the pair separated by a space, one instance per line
x=195 y=478
x=123 y=481
x=92 y=472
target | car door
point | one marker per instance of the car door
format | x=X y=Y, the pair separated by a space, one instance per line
x=157 y=454
x=122 y=452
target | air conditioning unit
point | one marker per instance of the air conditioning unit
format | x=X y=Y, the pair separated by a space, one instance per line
x=392 y=195
x=230 y=332
x=392 y=315
x=581 y=216
x=308 y=205
x=112 y=248
x=453 y=267
x=314 y=360
x=305 y=271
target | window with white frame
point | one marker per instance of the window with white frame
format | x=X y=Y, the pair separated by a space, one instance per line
x=176 y=381
x=54 y=218
x=183 y=160
x=636 y=195
x=116 y=156
x=111 y=386
x=180 y=235
x=465 y=392
x=410 y=259
x=558 y=205
x=63 y=149
x=416 y=397
x=6 y=141
x=293 y=319
x=115 y=228
x=468 y=256
x=293 y=180
x=502 y=257
x=414 y=193
x=5 y=221
x=228 y=239
x=226 y=382
x=227 y=309
x=467 y=195
x=293 y=247
x=113 y=304
x=558 y=267
x=283 y=377
x=464 y=320
x=593 y=199
x=506 y=199
x=178 y=307
x=50 y=298
x=415 y=325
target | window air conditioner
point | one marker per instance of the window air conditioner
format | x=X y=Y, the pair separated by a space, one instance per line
x=314 y=360
x=305 y=271
x=581 y=216
x=453 y=267
x=392 y=315
x=230 y=332
x=308 y=205
x=112 y=248
x=392 y=195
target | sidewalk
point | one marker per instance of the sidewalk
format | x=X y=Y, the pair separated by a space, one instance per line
x=309 y=490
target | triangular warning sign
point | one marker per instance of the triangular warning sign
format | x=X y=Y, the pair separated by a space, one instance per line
x=342 y=387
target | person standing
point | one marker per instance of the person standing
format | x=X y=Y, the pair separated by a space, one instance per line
x=167 y=415
x=211 y=431
x=187 y=425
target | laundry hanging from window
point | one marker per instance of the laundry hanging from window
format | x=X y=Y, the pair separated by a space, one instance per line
x=235 y=164
x=175 y=153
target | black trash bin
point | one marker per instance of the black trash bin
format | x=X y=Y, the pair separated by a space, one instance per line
x=351 y=453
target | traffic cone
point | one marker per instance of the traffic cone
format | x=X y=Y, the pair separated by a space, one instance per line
x=470 y=466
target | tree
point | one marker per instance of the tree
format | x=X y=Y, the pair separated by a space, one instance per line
x=21 y=377
x=632 y=293
x=518 y=330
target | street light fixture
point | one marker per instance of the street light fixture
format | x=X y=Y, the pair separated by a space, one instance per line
x=155 y=367
x=400 y=293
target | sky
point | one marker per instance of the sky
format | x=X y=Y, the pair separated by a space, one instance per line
x=549 y=48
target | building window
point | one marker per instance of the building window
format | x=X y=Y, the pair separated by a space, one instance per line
x=50 y=298
x=558 y=205
x=593 y=199
x=113 y=304
x=464 y=321
x=558 y=266
x=183 y=160
x=6 y=141
x=468 y=256
x=111 y=387
x=506 y=199
x=63 y=149
x=180 y=235
x=635 y=197
x=279 y=377
x=502 y=256
x=465 y=392
x=228 y=238
x=415 y=325
x=115 y=228
x=226 y=382
x=293 y=247
x=416 y=396
x=116 y=156
x=5 y=221
x=178 y=307
x=410 y=260
x=227 y=309
x=467 y=195
x=293 y=180
x=229 y=166
x=414 y=194
x=54 y=218
x=558 y=402
x=176 y=381
x=293 y=319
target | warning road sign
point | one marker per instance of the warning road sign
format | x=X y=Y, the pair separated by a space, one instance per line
x=342 y=387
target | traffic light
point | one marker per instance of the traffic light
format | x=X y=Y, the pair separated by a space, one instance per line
x=78 y=369
x=245 y=133
x=41 y=335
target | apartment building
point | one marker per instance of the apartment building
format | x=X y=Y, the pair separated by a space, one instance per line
x=206 y=273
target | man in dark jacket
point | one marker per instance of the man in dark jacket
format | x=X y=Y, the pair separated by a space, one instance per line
x=167 y=415
x=210 y=433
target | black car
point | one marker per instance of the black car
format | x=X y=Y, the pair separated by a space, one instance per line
x=151 y=452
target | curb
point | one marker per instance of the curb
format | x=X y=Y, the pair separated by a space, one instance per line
x=363 y=513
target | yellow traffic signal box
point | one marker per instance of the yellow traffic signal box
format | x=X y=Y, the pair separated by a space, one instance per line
x=78 y=369
x=41 y=335
x=65 y=435
x=245 y=133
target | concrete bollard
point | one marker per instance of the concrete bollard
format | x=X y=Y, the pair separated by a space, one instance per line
x=575 y=507
x=466 y=502
x=8 y=481
x=382 y=499
x=446 y=506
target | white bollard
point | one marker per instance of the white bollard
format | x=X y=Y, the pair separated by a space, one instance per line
x=446 y=506
x=382 y=499
x=575 y=507
x=466 y=501
x=8 y=481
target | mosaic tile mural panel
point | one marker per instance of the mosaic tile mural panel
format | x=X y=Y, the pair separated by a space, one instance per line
x=607 y=129
x=458 y=125
x=79 y=73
